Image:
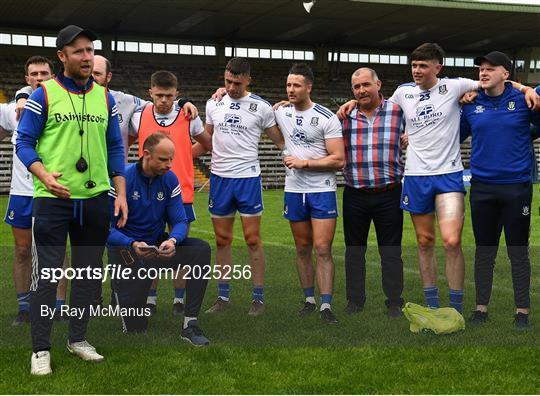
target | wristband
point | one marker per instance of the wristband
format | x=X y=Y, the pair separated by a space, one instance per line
x=22 y=95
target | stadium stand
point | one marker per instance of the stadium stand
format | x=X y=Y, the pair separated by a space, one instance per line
x=198 y=81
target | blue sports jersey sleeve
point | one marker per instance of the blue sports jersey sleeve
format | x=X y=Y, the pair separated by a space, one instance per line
x=30 y=127
x=464 y=126
x=116 y=237
x=176 y=215
x=115 y=145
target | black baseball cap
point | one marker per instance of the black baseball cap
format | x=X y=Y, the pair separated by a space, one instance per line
x=496 y=58
x=70 y=33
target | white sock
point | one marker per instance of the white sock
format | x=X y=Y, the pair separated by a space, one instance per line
x=310 y=300
x=324 y=306
x=187 y=319
x=151 y=300
x=178 y=300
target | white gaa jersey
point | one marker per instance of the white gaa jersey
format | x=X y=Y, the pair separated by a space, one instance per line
x=305 y=134
x=127 y=105
x=22 y=182
x=432 y=124
x=238 y=125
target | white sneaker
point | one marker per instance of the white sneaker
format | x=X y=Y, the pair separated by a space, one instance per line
x=41 y=363
x=85 y=351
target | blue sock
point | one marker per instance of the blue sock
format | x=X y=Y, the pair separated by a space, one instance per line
x=23 y=299
x=309 y=292
x=326 y=298
x=432 y=296
x=258 y=293
x=179 y=292
x=456 y=300
x=152 y=293
x=59 y=304
x=224 y=290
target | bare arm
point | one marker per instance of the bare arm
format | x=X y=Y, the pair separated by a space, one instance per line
x=202 y=147
x=204 y=142
x=333 y=161
x=131 y=140
x=3 y=134
x=276 y=136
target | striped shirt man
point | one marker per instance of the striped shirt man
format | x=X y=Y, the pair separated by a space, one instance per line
x=372 y=146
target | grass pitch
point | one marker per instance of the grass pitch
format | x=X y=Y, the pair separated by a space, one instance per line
x=280 y=352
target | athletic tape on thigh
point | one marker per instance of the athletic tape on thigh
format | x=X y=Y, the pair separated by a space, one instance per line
x=450 y=206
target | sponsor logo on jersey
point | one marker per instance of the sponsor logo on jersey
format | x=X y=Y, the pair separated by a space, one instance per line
x=479 y=109
x=135 y=196
x=299 y=136
x=220 y=104
x=288 y=115
x=443 y=90
x=314 y=121
x=232 y=119
x=511 y=105
x=409 y=96
x=424 y=110
x=160 y=196
x=526 y=210
x=97 y=119
x=11 y=215
x=253 y=107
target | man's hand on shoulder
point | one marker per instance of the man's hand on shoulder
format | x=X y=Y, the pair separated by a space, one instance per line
x=191 y=110
x=280 y=104
x=219 y=94
x=346 y=108
x=19 y=108
x=468 y=97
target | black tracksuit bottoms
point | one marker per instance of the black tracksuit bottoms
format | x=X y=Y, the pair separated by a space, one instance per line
x=131 y=293
x=497 y=207
x=86 y=221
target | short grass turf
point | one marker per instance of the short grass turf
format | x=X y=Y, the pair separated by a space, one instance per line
x=280 y=352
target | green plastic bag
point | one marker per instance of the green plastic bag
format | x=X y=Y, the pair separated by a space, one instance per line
x=438 y=321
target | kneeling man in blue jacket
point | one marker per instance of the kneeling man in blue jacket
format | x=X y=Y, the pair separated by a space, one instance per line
x=141 y=250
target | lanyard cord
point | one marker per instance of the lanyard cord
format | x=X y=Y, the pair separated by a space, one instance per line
x=81 y=124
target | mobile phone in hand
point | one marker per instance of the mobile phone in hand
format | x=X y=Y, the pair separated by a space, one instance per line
x=151 y=248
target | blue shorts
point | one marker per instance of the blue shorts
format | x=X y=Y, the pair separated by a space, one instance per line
x=227 y=195
x=305 y=206
x=418 y=195
x=19 y=211
x=190 y=213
